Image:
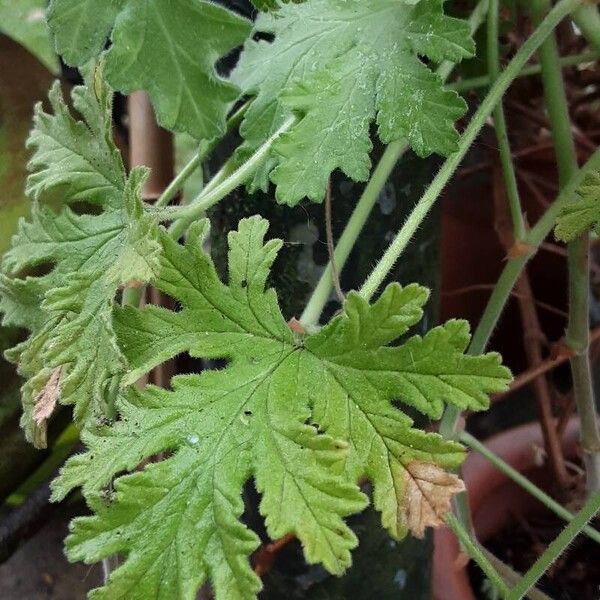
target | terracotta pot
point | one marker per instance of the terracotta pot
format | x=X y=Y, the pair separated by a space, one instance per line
x=494 y=501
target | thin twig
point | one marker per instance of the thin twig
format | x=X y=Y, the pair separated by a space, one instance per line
x=577 y=335
x=533 y=336
x=545 y=366
x=514 y=293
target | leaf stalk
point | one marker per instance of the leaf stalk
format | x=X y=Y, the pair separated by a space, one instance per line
x=378 y=275
x=215 y=193
x=556 y=548
x=551 y=504
x=392 y=154
x=577 y=336
x=476 y=553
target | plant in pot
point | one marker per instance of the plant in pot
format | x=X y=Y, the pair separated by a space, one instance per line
x=315 y=415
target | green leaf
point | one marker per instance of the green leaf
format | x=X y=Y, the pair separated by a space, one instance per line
x=167 y=49
x=304 y=415
x=340 y=65
x=25 y=22
x=267 y=5
x=62 y=272
x=582 y=214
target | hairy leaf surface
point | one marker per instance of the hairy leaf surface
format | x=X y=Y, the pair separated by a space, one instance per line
x=340 y=65
x=583 y=213
x=305 y=415
x=60 y=276
x=168 y=49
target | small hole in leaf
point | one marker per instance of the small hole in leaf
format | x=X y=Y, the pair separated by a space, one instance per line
x=85 y=208
x=39 y=269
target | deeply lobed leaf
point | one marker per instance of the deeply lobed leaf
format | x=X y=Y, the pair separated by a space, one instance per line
x=340 y=65
x=304 y=415
x=60 y=276
x=583 y=213
x=168 y=49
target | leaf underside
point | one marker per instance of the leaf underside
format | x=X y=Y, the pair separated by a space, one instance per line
x=86 y=237
x=303 y=415
x=167 y=49
x=341 y=65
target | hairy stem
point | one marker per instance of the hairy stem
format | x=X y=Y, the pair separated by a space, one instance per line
x=527 y=308
x=587 y=19
x=510 y=178
x=335 y=276
x=514 y=475
x=563 y=8
x=577 y=336
x=214 y=193
x=511 y=272
x=484 y=80
x=203 y=152
x=367 y=201
x=175 y=186
x=556 y=548
x=476 y=553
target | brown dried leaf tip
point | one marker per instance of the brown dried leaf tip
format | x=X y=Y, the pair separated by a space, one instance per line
x=429 y=490
x=45 y=404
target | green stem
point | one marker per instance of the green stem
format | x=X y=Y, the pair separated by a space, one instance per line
x=510 y=576
x=511 y=272
x=563 y=8
x=173 y=188
x=203 y=152
x=475 y=552
x=390 y=157
x=357 y=220
x=587 y=19
x=214 y=193
x=514 y=475
x=577 y=336
x=556 y=548
x=485 y=80
x=510 y=178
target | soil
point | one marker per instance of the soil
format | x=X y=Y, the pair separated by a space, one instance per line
x=576 y=574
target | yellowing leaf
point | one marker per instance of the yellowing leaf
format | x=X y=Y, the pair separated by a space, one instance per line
x=304 y=415
x=429 y=491
x=60 y=276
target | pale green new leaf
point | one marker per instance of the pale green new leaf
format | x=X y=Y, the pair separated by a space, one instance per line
x=61 y=274
x=168 y=49
x=340 y=65
x=304 y=415
x=583 y=213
